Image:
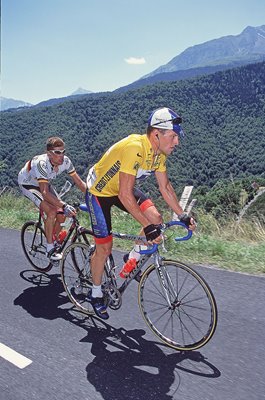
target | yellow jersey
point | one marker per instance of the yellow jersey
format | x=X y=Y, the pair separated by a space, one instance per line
x=132 y=155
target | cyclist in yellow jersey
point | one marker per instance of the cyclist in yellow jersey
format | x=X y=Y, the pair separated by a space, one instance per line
x=111 y=181
x=133 y=155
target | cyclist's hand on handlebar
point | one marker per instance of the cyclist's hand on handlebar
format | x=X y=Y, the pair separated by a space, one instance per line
x=188 y=221
x=68 y=210
x=152 y=233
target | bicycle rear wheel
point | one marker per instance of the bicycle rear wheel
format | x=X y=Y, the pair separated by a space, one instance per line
x=177 y=305
x=76 y=275
x=33 y=242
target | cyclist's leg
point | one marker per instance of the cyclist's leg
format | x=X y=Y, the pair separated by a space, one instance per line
x=98 y=259
x=32 y=193
x=99 y=212
x=60 y=217
x=151 y=213
x=51 y=213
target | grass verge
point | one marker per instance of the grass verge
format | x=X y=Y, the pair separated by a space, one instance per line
x=232 y=246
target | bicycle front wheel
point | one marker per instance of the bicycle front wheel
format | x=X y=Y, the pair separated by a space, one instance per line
x=177 y=305
x=33 y=242
x=76 y=275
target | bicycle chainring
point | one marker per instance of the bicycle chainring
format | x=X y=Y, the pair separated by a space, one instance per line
x=113 y=296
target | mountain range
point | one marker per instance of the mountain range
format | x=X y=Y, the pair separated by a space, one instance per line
x=248 y=46
x=209 y=57
x=6 y=103
x=202 y=59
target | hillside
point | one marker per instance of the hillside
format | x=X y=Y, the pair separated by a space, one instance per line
x=178 y=75
x=224 y=120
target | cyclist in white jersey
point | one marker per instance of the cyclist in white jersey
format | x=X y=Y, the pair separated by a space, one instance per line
x=34 y=182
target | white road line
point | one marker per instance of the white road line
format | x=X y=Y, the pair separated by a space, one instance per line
x=14 y=357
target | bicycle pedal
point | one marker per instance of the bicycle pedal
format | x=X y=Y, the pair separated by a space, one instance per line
x=55 y=263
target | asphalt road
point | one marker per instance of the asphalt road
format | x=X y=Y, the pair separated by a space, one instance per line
x=78 y=358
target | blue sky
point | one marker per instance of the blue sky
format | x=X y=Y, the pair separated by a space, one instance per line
x=52 y=47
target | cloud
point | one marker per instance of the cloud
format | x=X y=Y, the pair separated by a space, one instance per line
x=135 y=60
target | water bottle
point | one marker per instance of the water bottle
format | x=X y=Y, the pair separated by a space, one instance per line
x=128 y=267
x=62 y=235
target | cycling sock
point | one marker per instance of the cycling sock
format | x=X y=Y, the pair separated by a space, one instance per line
x=96 y=291
x=49 y=247
x=135 y=252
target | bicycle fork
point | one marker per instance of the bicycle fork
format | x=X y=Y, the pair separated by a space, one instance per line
x=166 y=283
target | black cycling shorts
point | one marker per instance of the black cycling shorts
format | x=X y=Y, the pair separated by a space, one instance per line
x=100 y=212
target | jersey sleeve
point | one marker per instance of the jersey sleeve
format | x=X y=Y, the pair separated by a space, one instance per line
x=70 y=169
x=132 y=158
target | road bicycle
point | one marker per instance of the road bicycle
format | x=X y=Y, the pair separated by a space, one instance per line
x=33 y=238
x=175 y=301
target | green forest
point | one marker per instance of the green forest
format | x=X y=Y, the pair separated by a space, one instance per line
x=222 y=153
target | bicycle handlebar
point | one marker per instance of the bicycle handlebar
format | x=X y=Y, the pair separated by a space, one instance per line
x=179 y=239
x=165 y=226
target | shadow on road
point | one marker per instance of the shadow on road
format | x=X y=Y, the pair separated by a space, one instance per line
x=44 y=298
x=126 y=365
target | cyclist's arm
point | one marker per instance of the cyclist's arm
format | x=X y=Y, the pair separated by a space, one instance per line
x=79 y=182
x=48 y=196
x=168 y=192
x=126 y=186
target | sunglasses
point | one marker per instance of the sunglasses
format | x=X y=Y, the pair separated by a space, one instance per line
x=176 y=125
x=57 y=152
x=176 y=120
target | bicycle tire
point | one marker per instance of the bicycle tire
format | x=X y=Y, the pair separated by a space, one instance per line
x=190 y=320
x=76 y=275
x=33 y=242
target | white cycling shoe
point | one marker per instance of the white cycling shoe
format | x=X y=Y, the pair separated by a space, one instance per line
x=53 y=256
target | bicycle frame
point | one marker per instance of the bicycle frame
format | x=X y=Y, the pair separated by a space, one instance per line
x=152 y=250
x=75 y=226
